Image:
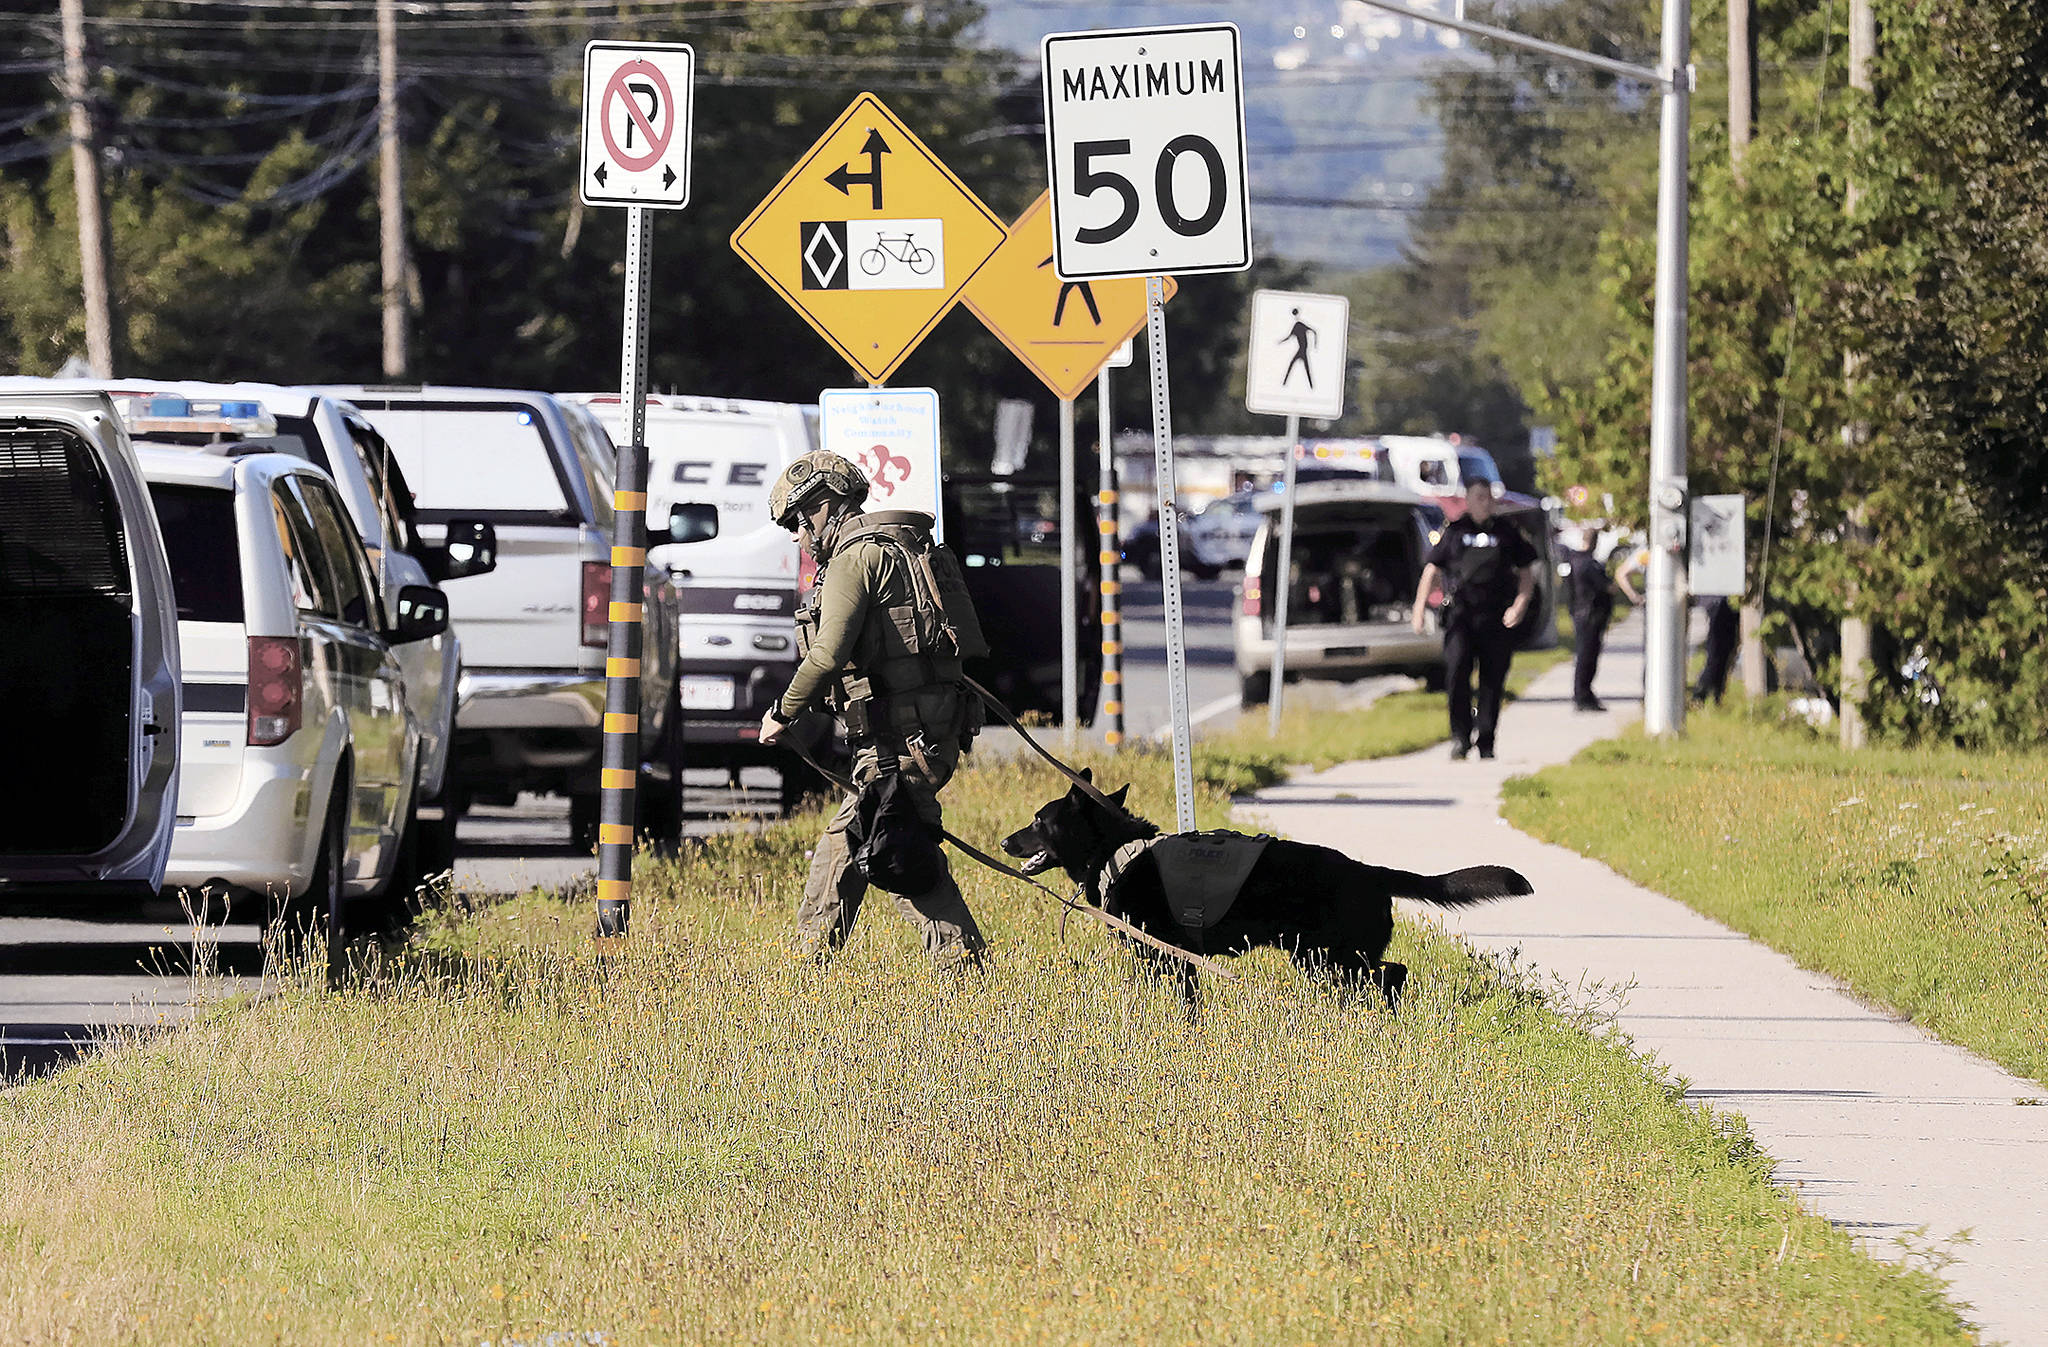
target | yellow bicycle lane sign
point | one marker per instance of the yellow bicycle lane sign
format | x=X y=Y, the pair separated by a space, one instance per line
x=870 y=237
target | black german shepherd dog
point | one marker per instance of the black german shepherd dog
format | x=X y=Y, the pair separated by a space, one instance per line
x=1331 y=914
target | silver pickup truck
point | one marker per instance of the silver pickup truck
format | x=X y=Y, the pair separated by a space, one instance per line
x=531 y=699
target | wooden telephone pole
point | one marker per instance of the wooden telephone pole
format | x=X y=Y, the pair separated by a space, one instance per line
x=390 y=191
x=85 y=174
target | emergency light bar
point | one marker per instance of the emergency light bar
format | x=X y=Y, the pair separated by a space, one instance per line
x=150 y=415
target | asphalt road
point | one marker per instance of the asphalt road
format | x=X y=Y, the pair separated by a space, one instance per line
x=62 y=980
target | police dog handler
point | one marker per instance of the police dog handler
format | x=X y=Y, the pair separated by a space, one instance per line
x=881 y=650
x=1489 y=574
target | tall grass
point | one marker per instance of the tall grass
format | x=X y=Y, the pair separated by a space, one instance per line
x=1918 y=876
x=504 y=1132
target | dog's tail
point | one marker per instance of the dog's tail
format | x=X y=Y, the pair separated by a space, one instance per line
x=1460 y=888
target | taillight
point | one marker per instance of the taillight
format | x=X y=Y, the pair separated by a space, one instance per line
x=597 y=603
x=277 y=691
x=1251 y=596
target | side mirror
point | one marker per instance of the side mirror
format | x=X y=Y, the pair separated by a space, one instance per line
x=692 y=523
x=422 y=613
x=471 y=548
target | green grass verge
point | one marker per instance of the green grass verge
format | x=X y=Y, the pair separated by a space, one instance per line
x=1918 y=877
x=502 y=1135
x=1316 y=736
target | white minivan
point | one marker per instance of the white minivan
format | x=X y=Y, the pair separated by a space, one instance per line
x=89 y=696
x=301 y=749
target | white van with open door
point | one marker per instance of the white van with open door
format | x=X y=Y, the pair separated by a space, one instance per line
x=89 y=673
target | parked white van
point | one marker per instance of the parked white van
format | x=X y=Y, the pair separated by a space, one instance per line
x=301 y=763
x=89 y=695
x=534 y=631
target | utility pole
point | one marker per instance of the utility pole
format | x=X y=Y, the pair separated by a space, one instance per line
x=1855 y=685
x=85 y=175
x=1742 y=115
x=1670 y=499
x=390 y=190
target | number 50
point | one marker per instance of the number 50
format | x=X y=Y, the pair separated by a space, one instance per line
x=1089 y=180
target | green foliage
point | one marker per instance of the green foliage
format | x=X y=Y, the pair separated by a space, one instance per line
x=241 y=182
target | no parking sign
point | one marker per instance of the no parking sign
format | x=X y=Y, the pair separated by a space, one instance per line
x=636 y=124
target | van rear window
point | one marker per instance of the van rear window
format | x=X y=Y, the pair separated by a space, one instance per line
x=489 y=461
x=198 y=524
x=60 y=528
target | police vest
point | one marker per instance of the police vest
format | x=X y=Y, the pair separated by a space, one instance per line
x=1481 y=575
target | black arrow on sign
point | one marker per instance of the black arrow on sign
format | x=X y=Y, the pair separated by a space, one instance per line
x=668 y=176
x=842 y=178
x=599 y=175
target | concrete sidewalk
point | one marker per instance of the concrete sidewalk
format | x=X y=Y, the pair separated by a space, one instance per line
x=1885 y=1131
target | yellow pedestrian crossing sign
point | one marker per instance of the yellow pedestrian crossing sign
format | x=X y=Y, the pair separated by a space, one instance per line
x=1063 y=330
x=870 y=238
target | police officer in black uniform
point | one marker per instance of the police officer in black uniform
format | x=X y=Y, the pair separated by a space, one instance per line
x=1489 y=573
x=1592 y=607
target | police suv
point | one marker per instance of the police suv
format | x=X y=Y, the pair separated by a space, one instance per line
x=301 y=751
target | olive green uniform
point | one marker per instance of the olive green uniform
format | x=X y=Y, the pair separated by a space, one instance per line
x=858 y=634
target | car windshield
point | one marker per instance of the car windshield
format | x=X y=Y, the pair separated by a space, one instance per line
x=198 y=524
x=1477 y=466
x=483 y=460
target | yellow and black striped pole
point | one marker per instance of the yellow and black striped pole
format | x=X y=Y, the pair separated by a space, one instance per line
x=1111 y=560
x=620 y=765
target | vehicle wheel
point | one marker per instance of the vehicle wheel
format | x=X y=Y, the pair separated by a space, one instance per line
x=1255 y=689
x=1148 y=566
x=1202 y=572
x=583 y=822
x=419 y=860
x=323 y=906
x=1434 y=678
x=800 y=781
x=661 y=809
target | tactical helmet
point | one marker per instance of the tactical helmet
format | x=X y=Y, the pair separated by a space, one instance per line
x=817 y=473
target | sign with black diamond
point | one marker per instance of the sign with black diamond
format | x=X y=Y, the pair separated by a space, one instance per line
x=870 y=238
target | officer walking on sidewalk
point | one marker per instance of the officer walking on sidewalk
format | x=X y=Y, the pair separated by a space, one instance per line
x=882 y=637
x=1489 y=570
x=1592 y=607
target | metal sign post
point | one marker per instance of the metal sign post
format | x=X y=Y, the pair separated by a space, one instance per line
x=1281 y=582
x=1111 y=560
x=1169 y=562
x=638 y=100
x=1070 y=616
x=1149 y=178
x=1295 y=367
x=619 y=774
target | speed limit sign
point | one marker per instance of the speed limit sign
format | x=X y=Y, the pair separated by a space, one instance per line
x=1144 y=143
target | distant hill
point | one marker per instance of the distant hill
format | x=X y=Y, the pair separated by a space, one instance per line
x=1343 y=149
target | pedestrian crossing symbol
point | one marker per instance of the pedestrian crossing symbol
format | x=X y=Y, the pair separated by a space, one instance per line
x=870 y=238
x=1295 y=363
x=1064 y=331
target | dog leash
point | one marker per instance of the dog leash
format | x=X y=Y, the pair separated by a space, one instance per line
x=967 y=848
x=1082 y=783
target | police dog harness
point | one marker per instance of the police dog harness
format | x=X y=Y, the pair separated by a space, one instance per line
x=1200 y=873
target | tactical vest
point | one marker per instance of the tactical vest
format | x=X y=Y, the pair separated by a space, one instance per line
x=905 y=647
x=1201 y=873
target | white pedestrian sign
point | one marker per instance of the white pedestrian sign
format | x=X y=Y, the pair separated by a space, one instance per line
x=637 y=99
x=1145 y=145
x=893 y=434
x=1295 y=363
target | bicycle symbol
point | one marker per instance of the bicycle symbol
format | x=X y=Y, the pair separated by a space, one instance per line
x=900 y=248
